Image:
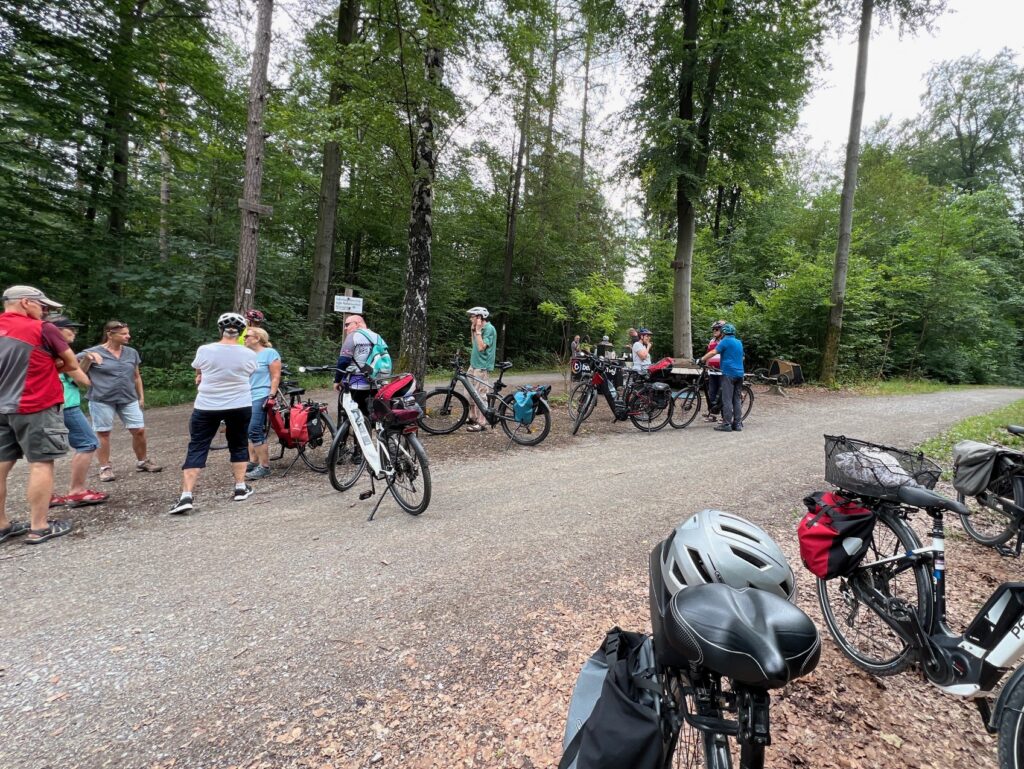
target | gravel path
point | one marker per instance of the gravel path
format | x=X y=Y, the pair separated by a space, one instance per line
x=194 y=642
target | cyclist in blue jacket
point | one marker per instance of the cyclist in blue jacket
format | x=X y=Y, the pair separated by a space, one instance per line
x=731 y=351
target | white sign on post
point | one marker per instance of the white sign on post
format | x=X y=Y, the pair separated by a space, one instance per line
x=352 y=304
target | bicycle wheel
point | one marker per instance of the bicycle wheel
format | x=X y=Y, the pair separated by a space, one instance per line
x=697 y=749
x=644 y=414
x=861 y=634
x=576 y=395
x=314 y=453
x=444 y=411
x=746 y=401
x=1011 y=731
x=410 y=485
x=524 y=435
x=586 y=407
x=986 y=525
x=684 y=408
x=345 y=460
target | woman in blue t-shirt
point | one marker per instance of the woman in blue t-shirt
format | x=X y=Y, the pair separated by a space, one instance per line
x=263 y=382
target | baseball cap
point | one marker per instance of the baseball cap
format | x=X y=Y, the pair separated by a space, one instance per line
x=62 y=321
x=28 y=292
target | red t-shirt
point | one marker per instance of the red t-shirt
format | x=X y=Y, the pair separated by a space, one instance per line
x=715 y=361
x=28 y=374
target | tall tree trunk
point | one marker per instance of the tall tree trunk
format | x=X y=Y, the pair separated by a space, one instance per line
x=549 y=133
x=415 y=334
x=165 y=173
x=587 y=52
x=122 y=87
x=330 y=178
x=245 y=276
x=830 y=356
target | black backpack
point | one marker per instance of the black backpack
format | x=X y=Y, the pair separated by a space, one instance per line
x=614 y=715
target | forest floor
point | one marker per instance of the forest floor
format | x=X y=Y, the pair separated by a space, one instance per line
x=287 y=631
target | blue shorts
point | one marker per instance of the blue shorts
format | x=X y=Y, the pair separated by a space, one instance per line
x=80 y=434
x=258 y=422
x=103 y=415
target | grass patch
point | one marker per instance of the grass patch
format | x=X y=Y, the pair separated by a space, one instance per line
x=160 y=396
x=904 y=387
x=984 y=428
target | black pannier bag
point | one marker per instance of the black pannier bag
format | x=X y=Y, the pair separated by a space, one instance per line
x=973 y=463
x=614 y=714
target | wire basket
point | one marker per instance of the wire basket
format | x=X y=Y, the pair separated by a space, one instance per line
x=872 y=470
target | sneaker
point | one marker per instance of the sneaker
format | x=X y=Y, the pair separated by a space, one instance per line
x=737 y=427
x=107 y=474
x=250 y=466
x=257 y=472
x=183 y=506
x=147 y=466
x=724 y=428
x=710 y=418
x=242 y=493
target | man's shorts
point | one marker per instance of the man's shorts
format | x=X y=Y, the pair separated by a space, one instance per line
x=80 y=433
x=39 y=437
x=103 y=416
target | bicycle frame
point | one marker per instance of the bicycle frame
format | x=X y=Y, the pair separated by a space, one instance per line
x=489 y=411
x=376 y=454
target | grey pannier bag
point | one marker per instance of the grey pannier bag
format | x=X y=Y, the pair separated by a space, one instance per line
x=972 y=466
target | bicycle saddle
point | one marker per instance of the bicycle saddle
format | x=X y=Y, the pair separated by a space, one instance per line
x=1015 y=429
x=505 y=365
x=751 y=636
x=918 y=496
x=289 y=390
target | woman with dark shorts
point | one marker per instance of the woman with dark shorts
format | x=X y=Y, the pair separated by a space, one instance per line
x=223 y=370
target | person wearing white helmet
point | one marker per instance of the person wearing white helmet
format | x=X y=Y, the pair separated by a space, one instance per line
x=483 y=339
x=222 y=369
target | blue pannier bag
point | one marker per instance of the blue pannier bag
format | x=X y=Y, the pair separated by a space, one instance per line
x=524 y=403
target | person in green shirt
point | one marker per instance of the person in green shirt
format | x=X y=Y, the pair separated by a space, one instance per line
x=483 y=338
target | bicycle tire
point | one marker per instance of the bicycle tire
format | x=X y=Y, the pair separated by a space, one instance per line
x=444 y=411
x=684 y=408
x=411 y=472
x=575 y=395
x=746 y=401
x=985 y=525
x=860 y=633
x=316 y=457
x=651 y=418
x=1011 y=731
x=344 y=465
x=525 y=435
x=693 y=748
x=585 y=409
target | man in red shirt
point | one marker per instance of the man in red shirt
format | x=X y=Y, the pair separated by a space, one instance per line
x=31 y=397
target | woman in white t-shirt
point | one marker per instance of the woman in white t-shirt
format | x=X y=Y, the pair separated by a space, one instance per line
x=223 y=370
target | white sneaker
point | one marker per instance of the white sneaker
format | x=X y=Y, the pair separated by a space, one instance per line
x=183 y=506
x=243 y=493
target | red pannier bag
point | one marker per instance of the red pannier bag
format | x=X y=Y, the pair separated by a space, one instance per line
x=305 y=425
x=834 y=535
x=279 y=424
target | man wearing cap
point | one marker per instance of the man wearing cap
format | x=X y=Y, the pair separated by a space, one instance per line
x=31 y=396
x=483 y=338
x=80 y=433
x=642 y=350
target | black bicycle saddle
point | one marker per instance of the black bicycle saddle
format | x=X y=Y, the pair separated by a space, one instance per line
x=506 y=365
x=752 y=636
x=918 y=496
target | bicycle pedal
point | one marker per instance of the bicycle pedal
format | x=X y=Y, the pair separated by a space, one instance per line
x=366 y=494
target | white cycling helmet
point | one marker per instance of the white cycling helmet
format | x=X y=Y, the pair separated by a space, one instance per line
x=481 y=311
x=231 y=321
x=714 y=546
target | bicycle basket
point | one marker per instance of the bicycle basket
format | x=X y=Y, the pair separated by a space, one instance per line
x=873 y=470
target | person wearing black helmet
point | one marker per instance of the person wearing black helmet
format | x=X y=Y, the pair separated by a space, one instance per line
x=731 y=351
x=714 y=374
x=222 y=369
x=642 y=350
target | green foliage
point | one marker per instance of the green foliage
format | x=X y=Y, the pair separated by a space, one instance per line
x=984 y=428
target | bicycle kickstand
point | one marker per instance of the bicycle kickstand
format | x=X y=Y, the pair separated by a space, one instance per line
x=292 y=463
x=370 y=493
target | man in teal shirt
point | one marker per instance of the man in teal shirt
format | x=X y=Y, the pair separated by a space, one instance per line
x=483 y=338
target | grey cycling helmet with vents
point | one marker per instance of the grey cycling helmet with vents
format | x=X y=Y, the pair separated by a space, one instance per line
x=713 y=546
x=231 y=321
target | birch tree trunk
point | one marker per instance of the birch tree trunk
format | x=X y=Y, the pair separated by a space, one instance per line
x=415 y=334
x=330 y=179
x=245 y=276
x=830 y=355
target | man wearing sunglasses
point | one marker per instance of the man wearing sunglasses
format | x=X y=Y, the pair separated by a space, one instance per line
x=31 y=396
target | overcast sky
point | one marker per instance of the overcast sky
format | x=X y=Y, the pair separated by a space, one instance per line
x=897 y=68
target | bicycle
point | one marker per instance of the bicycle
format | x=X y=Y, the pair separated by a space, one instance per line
x=719 y=651
x=392 y=450
x=643 y=402
x=445 y=409
x=686 y=402
x=996 y=513
x=889 y=612
x=313 y=452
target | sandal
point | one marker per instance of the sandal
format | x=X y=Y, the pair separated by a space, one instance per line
x=14 y=530
x=55 y=529
x=87 y=497
x=475 y=428
x=56 y=500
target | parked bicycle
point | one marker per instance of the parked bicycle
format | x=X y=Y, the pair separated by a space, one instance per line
x=445 y=409
x=989 y=480
x=686 y=402
x=889 y=611
x=312 y=445
x=642 y=401
x=387 y=442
